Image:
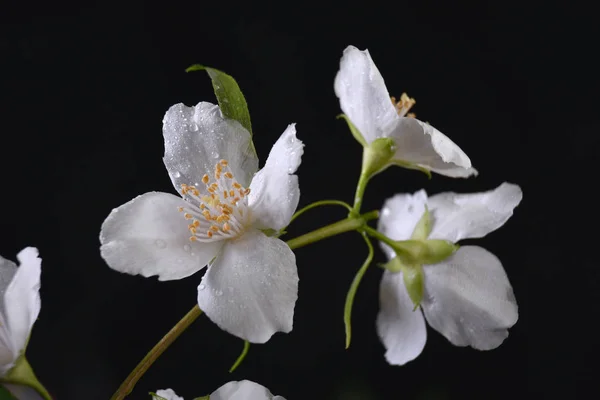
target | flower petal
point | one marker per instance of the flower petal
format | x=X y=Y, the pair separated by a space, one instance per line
x=250 y=289
x=401 y=330
x=196 y=138
x=421 y=144
x=167 y=394
x=274 y=191
x=22 y=392
x=22 y=298
x=461 y=216
x=469 y=299
x=149 y=236
x=243 y=390
x=399 y=217
x=8 y=353
x=363 y=95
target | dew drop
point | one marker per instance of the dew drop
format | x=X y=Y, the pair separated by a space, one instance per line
x=194 y=127
x=218 y=293
x=201 y=287
x=161 y=244
x=187 y=248
x=177 y=174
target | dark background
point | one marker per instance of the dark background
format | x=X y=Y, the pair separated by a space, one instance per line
x=84 y=90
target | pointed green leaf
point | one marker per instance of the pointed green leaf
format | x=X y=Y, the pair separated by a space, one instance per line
x=354 y=130
x=231 y=100
x=353 y=288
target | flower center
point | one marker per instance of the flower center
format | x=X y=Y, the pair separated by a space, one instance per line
x=404 y=105
x=222 y=212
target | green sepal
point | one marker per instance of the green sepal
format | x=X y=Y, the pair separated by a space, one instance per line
x=407 y=165
x=156 y=397
x=377 y=156
x=423 y=227
x=414 y=282
x=22 y=374
x=207 y=397
x=430 y=251
x=354 y=130
x=231 y=100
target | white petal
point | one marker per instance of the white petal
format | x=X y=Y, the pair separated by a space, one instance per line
x=469 y=299
x=196 y=138
x=8 y=353
x=363 y=95
x=421 y=144
x=243 y=390
x=399 y=217
x=22 y=297
x=401 y=330
x=167 y=394
x=250 y=289
x=461 y=216
x=149 y=236
x=274 y=191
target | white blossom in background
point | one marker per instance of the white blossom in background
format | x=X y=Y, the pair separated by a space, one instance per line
x=19 y=304
x=251 y=285
x=467 y=297
x=365 y=100
x=234 y=390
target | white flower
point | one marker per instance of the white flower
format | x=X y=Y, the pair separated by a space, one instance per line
x=467 y=297
x=251 y=284
x=365 y=100
x=234 y=390
x=19 y=304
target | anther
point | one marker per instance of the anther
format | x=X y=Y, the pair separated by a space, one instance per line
x=226 y=227
x=228 y=175
x=188 y=216
x=193 y=238
x=223 y=163
x=205 y=179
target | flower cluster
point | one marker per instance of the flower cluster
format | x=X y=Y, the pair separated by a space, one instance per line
x=229 y=216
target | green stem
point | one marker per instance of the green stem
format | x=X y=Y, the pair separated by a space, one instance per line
x=135 y=375
x=345 y=225
x=353 y=288
x=360 y=192
x=320 y=203
x=241 y=357
x=380 y=236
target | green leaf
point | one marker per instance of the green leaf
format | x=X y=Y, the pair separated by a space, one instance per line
x=354 y=130
x=231 y=100
x=5 y=394
x=241 y=357
x=353 y=288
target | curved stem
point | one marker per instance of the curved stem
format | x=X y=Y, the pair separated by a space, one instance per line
x=345 y=225
x=320 y=203
x=241 y=357
x=135 y=375
x=353 y=288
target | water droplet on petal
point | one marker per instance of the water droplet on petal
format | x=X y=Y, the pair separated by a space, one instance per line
x=187 y=248
x=194 y=127
x=161 y=244
x=201 y=287
x=177 y=174
x=218 y=293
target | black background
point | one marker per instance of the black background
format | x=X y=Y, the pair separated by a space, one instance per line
x=84 y=90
